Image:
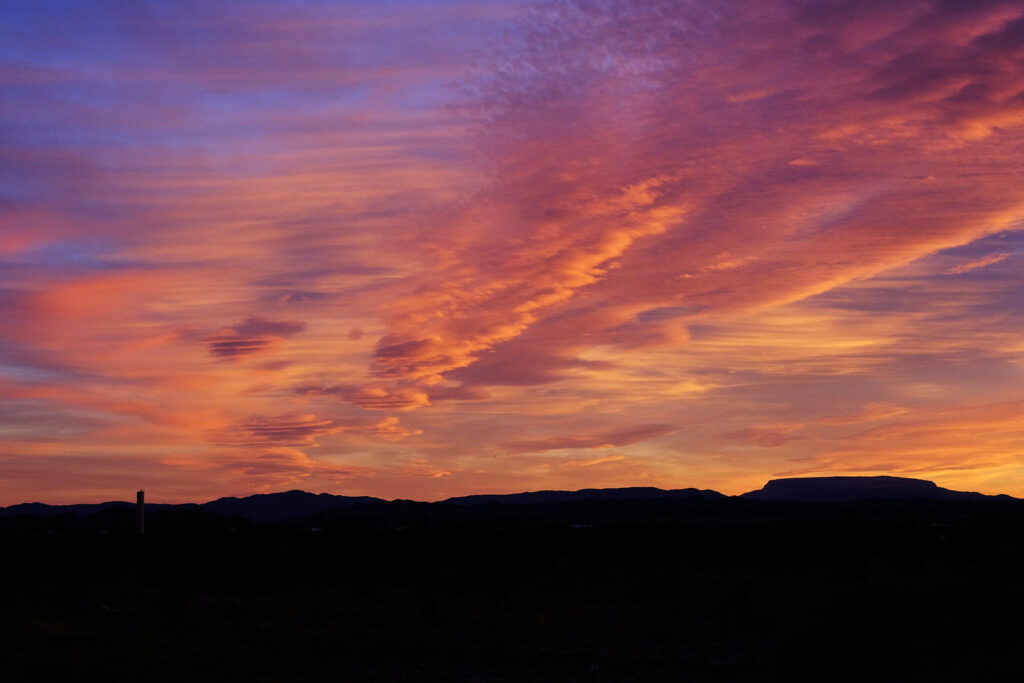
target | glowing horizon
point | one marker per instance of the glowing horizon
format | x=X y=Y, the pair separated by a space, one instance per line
x=421 y=250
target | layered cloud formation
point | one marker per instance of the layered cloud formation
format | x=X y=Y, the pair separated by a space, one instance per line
x=420 y=251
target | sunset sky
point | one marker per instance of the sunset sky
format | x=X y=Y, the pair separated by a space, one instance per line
x=424 y=249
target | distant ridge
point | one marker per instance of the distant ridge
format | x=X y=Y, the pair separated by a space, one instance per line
x=298 y=505
x=847 y=489
x=79 y=509
x=267 y=507
x=260 y=507
x=630 y=493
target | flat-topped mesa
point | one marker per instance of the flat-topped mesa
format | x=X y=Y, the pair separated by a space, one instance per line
x=843 y=489
x=851 y=483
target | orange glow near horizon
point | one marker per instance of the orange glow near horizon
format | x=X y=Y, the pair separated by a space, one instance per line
x=418 y=252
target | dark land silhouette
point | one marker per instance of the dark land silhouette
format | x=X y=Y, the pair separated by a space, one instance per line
x=838 y=579
x=293 y=505
x=845 y=489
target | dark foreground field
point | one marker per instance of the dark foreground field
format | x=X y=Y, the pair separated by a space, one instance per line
x=823 y=593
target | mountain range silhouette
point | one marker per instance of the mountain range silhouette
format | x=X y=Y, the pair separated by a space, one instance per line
x=295 y=504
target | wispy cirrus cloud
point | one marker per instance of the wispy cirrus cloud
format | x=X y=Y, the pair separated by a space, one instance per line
x=966 y=437
x=607 y=439
x=722 y=238
x=767 y=436
x=897 y=99
x=982 y=262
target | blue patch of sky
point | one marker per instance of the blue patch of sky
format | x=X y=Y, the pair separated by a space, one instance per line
x=16 y=186
x=668 y=313
x=134 y=80
x=68 y=255
x=24 y=419
x=27 y=365
x=1007 y=241
x=934 y=283
x=30 y=373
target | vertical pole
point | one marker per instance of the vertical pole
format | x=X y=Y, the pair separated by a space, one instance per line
x=140 y=512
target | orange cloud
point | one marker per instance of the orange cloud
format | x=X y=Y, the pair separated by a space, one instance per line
x=870 y=413
x=978 y=263
x=961 y=438
x=725 y=240
x=589 y=462
x=610 y=439
x=770 y=436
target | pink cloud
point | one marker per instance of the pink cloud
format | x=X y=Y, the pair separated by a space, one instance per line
x=597 y=206
x=978 y=263
x=771 y=436
x=606 y=439
x=678 y=233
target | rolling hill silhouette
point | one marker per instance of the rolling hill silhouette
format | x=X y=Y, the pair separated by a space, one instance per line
x=301 y=505
x=888 y=577
x=266 y=507
x=82 y=509
x=630 y=493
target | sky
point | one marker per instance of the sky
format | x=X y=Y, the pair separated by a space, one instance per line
x=425 y=249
